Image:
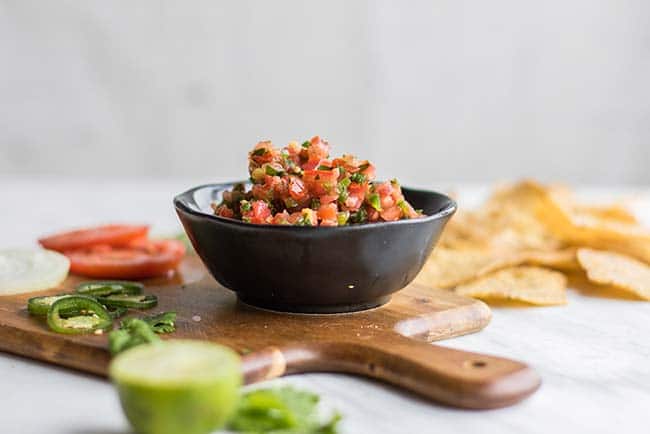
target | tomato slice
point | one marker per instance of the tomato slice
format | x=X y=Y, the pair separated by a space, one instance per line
x=112 y=235
x=139 y=260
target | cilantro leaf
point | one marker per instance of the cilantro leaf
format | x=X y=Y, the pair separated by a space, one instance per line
x=133 y=332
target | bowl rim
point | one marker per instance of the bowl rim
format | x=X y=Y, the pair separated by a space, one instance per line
x=449 y=209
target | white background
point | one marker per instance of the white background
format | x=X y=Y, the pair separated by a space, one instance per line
x=430 y=90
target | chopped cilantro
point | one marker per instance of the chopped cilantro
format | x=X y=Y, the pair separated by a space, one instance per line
x=374 y=201
x=306 y=144
x=359 y=178
x=133 y=332
x=245 y=206
x=305 y=218
x=360 y=216
x=283 y=410
x=342 y=189
x=303 y=221
x=273 y=171
x=290 y=202
x=403 y=207
x=259 y=152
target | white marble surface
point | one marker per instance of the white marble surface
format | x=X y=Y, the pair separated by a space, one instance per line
x=593 y=354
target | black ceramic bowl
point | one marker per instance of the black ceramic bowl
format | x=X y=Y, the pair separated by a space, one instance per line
x=312 y=269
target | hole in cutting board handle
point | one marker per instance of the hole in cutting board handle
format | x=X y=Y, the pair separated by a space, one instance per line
x=475 y=364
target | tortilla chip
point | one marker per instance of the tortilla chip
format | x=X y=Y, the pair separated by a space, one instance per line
x=507 y=221
x=511 y=216
x=462 y=232
x=532 y=285
x=447 y=268
x=564 y=260
x=620 y=271
x=579 y=282
x=615 y=212
x=575 y=227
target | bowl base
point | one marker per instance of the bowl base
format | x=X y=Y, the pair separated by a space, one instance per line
x=312 y=309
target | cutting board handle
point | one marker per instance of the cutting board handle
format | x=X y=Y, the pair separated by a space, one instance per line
x=452 y=377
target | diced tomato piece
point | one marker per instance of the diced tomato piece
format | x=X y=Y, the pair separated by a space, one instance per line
x=263 y=152
x=262 y=192
x=347 y=162
x=328 y=198
x=293 y=148
x=294 y=217
x=326 y=163
x=276 y=185
x=357 y=189
x=318 y=149
x=386 y=201
x=356 y=196
x=327 y=212
x=370 y=172
x=311 y=164
x=261 y=211
x=281 y=218
x=384 y=189
x=320 y=182
x=258 y=213
x=297 y=188
x=224 y=211
x=391 y=214
x=353 y=203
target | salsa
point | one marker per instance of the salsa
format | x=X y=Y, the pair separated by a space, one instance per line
x=301 y=185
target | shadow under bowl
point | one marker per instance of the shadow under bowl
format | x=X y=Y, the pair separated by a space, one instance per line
x=312 y=269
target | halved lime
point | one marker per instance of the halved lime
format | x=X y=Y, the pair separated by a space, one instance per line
x=179 y=386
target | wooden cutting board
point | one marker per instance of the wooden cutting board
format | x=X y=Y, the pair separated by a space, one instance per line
x=389 y=343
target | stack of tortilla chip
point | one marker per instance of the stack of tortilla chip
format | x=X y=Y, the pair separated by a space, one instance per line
x=527 y=239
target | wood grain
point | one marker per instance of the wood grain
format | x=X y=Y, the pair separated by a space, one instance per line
x=389 y=343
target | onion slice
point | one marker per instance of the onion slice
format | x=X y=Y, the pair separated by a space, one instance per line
x=24 y=270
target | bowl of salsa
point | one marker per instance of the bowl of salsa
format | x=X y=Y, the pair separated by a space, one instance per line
x=310 y=233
